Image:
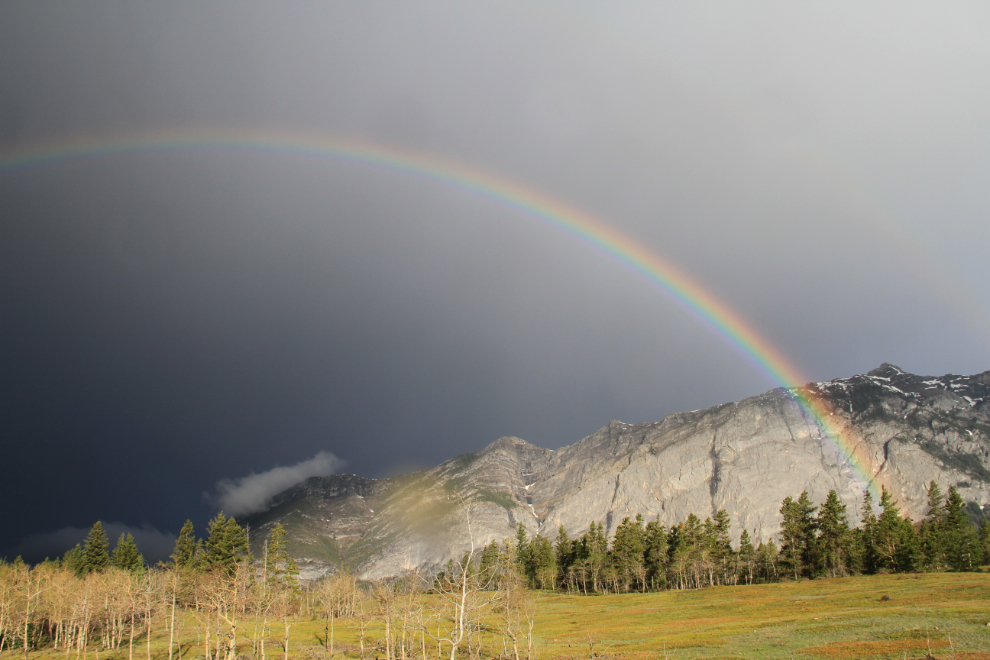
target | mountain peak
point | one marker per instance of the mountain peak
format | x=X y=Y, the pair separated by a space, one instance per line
x=507 y=442
x=886 y=370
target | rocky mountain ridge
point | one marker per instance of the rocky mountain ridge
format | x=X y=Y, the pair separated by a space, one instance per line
x=744 y=457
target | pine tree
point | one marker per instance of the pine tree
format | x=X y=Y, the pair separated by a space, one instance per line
x=767 y=558
x=564 y=553
x=655 y=556
x=721 y=544
x=627 y=552
x=126 y=555
x=687 y=554
x=960 y=536
x=747 y=556
x=279 y=566
x=596 y=553
x=488 y=566
x=185 y=554
x=908 y=558
x=866 y=535
x=72 y=560
x=933 y=531
x=226 y=545
x=541 y=566
x=276 y=552
x=983 y=539
x=96 y=550
x=798 y=551
x=887 y=532
x=833 y=535
x=522 y=550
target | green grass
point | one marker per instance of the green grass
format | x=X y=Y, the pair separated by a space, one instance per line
x=820 y=619
x=501 y=499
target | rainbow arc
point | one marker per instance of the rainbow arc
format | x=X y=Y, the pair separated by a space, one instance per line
x=579 y=225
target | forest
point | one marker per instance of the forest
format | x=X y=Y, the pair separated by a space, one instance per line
x=95 y=600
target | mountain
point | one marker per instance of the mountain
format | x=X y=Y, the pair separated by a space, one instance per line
x=744 y=457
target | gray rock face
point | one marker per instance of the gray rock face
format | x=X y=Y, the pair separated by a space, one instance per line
x=743 y=457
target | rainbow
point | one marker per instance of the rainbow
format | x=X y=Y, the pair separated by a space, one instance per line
x=573 y=222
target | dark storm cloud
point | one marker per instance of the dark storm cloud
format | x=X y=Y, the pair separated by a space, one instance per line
x=174 y=318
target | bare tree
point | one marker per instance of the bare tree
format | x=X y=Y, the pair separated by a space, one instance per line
x=464 y=596
x=335 y=596
x=151 y=588
x=227 y=594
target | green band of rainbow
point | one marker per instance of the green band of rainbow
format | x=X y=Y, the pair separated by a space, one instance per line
x=581 y=226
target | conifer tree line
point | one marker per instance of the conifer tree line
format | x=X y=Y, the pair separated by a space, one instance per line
x=814 y=541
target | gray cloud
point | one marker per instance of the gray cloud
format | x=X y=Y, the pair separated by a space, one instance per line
x=179 y=315
x=243 y=495
x=155 y=545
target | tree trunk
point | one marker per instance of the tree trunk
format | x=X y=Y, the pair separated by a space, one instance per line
x=148 y=614
x=264 y=627
x=130 y=641
x=286 y=645
x=171 y=627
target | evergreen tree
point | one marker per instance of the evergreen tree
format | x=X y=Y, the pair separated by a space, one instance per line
x=185 y=555
x=564 y=552
x=798 y=551
x=960 y=536
x=721 y=545
x=983 y=539
x=655 y=555
x=72 y=560
x=489 y=564
x=767 y=558
x=866 y=535
x=595 y=550
x=541 y=566
x=628 y=548
x=933 y=531
x=691 y=533
x=833 y=535
x=126 y=555
x=226 y=545
x=888 y=532
x=747 y=557
x=908 y=558
x=687 y=554
x=522 y=550
x=96 y=550
x=280 y=568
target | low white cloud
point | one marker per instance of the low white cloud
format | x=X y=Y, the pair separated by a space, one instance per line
x=243 y=495
x=155 y=545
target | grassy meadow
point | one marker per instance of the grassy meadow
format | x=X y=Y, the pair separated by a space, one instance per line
x=947 y=614
x=843 y=618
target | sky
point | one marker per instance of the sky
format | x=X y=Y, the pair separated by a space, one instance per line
x=189 y=329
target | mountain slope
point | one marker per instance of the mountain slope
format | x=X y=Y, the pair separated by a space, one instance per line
x=744 y=457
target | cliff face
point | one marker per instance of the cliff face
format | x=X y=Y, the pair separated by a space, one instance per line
x=744 y=457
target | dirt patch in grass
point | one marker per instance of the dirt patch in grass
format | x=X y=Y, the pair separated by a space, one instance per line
x=850 y=649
